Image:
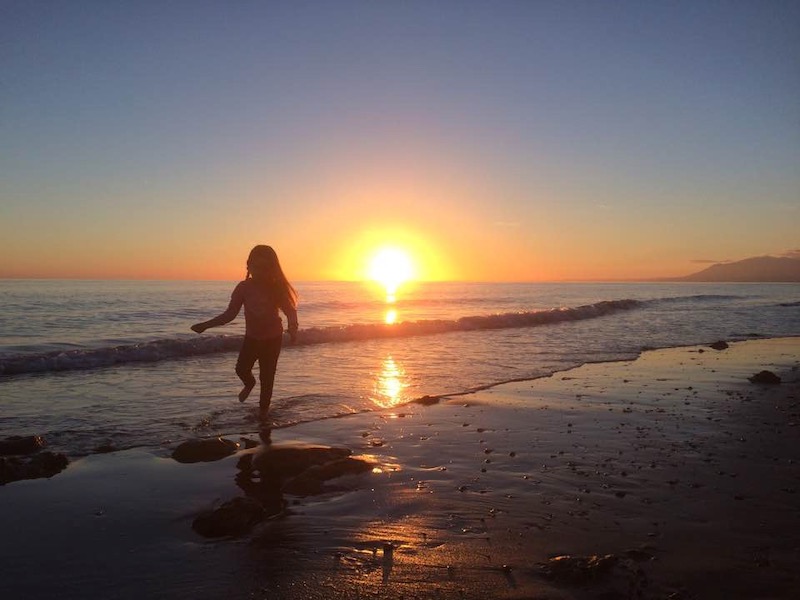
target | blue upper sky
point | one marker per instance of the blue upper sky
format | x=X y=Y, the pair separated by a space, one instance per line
x=154 y=117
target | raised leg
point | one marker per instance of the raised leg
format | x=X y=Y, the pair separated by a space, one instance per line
x=244 y=367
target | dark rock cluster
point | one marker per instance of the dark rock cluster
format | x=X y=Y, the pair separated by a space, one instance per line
x=602 y=575
x=204 y=450
x=767 y=377
x=266 y=474
x=235 y=517
x=23 y=457
x=577 y=569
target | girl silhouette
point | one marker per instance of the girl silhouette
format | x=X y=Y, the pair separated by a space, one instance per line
x=264 y=291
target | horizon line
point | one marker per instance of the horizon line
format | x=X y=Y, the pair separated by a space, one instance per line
x=678 y=279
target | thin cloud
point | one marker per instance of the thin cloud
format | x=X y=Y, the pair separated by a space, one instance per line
x=506 y=224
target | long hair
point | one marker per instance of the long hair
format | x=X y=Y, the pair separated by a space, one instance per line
x=264 y=259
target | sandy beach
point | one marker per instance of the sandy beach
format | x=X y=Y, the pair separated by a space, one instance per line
x=674 y=472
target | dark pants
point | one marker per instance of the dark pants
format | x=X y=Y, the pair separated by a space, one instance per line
x=266 y=352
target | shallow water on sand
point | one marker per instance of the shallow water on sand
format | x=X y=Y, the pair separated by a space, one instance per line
x=81 y=391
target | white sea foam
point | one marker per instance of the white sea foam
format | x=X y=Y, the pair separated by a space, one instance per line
x=166 y=349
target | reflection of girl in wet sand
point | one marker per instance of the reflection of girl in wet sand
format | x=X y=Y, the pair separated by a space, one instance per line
x=265 y=291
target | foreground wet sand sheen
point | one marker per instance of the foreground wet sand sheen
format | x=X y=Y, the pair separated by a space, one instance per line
x=674 y=466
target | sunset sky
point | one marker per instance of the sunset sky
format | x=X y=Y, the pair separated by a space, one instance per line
x=493 y=140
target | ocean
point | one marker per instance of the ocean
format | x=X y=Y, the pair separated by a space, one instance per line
x=100 y=365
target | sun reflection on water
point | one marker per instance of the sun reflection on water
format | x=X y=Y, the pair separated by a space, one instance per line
x=389 y=384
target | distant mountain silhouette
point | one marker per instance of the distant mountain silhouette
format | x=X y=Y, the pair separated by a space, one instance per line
x=761 y=268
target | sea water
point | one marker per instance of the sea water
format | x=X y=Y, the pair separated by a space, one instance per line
x=93 y=365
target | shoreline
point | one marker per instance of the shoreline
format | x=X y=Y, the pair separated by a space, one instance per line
x=673 y=463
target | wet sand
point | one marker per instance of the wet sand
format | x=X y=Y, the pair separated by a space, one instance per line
x=674 y=464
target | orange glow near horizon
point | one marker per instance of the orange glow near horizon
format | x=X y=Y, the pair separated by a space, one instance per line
x=389 y=257
x=318 y=252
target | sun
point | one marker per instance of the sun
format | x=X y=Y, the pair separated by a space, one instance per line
x=391 y=267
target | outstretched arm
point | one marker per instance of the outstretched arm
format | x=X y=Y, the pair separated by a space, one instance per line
x=229 y=315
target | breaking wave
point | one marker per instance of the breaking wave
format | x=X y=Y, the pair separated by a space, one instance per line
x=166 y=349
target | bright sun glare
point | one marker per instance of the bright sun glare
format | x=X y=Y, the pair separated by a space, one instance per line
x=391 y=267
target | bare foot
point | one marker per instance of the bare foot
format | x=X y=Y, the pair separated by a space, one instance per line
x=248 y=387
